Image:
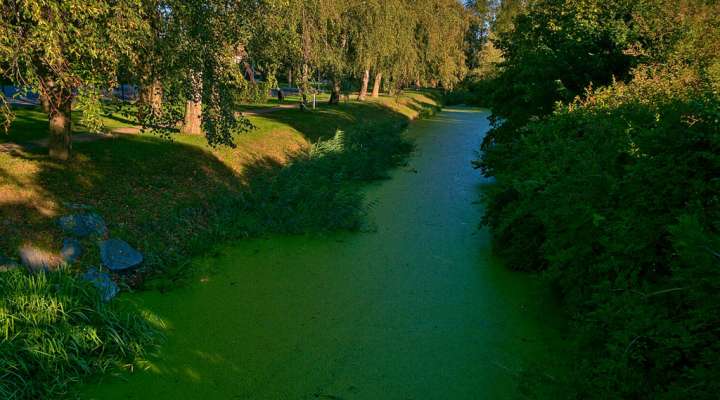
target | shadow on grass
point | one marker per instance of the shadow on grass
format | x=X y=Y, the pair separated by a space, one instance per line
x=173 y=200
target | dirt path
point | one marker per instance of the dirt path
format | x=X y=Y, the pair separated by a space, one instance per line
x=268 y=110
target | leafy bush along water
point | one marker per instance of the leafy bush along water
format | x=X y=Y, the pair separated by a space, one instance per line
x=607 y=166
x=316 y=191
x=55 y=330
x=617 y=197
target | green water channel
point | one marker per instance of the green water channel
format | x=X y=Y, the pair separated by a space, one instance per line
x=415 y=308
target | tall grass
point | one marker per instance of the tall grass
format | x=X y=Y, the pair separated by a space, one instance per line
x=55 y=330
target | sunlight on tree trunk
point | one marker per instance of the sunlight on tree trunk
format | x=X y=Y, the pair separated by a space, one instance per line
x=151 y=97
x=376 y=85
x=364 y=87
x=193 y=107
x=44 y=103
x=156 y=94
x=60 y=125
x=193 y=118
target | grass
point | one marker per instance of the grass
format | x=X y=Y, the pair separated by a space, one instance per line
x=173 y=199
x=54 y=330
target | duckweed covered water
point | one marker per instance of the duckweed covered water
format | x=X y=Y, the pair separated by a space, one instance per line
x=414 y=309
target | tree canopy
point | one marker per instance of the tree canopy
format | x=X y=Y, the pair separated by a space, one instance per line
x=190 y=59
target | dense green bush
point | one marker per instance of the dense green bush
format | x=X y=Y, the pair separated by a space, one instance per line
x=55 y=330
x=606 y=154
x=617 y=197
x=315 y=192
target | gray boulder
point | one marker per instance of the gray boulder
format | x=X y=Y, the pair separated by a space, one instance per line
x=71 y=250
x=117 y=255
x=102 y=281
x=82 y=225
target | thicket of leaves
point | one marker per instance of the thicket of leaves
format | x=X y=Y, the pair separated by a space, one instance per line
x=615 y=193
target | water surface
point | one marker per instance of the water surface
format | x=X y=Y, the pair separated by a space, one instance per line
x=413 y=309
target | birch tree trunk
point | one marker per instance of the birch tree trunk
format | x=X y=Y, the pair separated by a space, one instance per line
x=364 y=86
x=193 y=107
x=376 y=85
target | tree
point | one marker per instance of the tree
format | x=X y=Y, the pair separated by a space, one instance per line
x=440 y=27
x=556 y=49
x=197 y=65
x=62 y=48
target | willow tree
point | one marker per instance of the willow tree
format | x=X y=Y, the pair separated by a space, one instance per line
x=394 y=50
x=274 y=36
x=440 y=28
x=196 y=63
x=375 y=28
x=325 y=37
x=59 y=48
x=363 y=22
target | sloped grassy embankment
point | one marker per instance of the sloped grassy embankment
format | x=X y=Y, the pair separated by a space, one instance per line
x=171 y=199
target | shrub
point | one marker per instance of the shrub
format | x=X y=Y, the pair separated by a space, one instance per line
x=617 y=198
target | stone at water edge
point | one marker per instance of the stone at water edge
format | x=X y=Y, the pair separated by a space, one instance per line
x=83 y=225
x=7 y=264
x=71 y=250
x=102 y=281
x=117 y=255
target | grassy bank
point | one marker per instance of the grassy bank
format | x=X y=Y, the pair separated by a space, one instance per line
x=173 y=199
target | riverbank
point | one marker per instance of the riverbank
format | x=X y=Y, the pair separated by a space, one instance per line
x=172 y=200
x=413 y=307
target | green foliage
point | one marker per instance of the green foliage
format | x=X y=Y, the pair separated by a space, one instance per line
x=55 y=331
x=317 y=191
x=88 y=101
x=257 y=93
x=610 y=186
x=616 y=197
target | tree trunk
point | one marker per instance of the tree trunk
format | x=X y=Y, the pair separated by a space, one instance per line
x=44 y=102
x=150 y=99
x=156 y=96
x=60 y=123
x=376 y=85
x=193 y=108
x=290 y=77
x=305 y=84
x=249 y=72
x=335 y=93
x=193 y=118
x=364 y=86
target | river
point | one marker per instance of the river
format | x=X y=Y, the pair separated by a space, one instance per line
x=414 y=308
